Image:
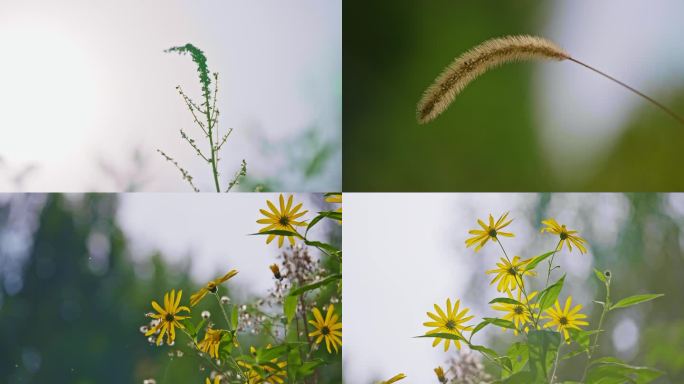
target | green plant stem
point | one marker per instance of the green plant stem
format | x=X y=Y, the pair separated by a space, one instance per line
x=548 y=275
x=606 y=308
x=223 y=310
x=555 y=363
x=210 y=127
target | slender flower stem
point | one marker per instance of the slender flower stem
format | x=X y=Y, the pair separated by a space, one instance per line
x=651 y=100
x=548 y=274
x=223 y=310
x=606 y=308
x=555 y=363
x=520 y=283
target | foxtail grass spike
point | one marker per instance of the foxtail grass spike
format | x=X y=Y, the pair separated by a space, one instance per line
x=491 y=54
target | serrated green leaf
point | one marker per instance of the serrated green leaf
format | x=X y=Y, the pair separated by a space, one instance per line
x=636 y=299
x=548 y=296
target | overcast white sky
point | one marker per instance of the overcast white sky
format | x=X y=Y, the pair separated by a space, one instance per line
x=213 y=229
x=84 y=81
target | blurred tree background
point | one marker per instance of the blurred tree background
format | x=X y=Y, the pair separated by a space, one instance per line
x=639 y=237
x=489 y=138
x=72 y=299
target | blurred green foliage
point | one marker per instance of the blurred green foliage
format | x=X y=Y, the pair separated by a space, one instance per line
x=488 y=139
x=72 y=297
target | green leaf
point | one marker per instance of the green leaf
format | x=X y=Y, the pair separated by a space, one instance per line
x=192 y=330
x=613 y=371
x=581 y=337
x=290 y=307
x=314 y=222
x=600 y=276
x=548 y=296
x=478 y=327
x=522 y=377
x=505 y=300
x=277 y=232
x=532 y=264
x=294 y=362
x=325 y=246
x=543 y=346
x=265 y=355
x=449 y=336
x=636 y=299
x=333 y=215
x=500 y=322
x=519 y=354
x=233 y=318
x=327 y=280
x=487 y=351
x=308 y=368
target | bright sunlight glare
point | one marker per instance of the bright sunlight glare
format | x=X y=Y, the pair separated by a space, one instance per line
x=49 y=92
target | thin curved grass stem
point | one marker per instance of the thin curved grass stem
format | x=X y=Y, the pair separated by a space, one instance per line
x=654 y=102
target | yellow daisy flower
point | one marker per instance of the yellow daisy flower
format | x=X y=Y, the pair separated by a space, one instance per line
x=487 y=232
x=210 y=287
x=328 y=328
x=566 y=236
x=211 y=342
x=509 y=274
x=449 y=322
x=273 y=375
x=394 y=378
x=217 y=380
x=566 y=318
x=283 y=219
x=518 y=314
x=439 y=371
x=168 y=317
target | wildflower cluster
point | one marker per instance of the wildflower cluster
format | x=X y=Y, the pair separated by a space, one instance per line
x=297 y=318
x=547 y=326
